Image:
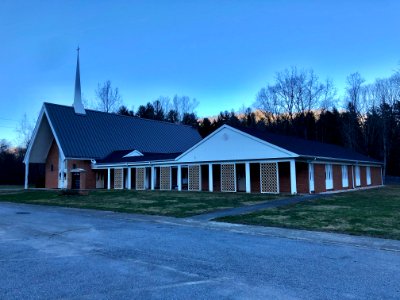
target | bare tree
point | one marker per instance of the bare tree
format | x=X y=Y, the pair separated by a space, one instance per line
x=108 y=98
x=354 y=89
x=184 y=105
x=24 y=131
x=294 y=91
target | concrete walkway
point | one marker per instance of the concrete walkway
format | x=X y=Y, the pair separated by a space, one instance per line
x=256 y=207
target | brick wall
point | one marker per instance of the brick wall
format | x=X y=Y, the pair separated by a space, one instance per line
x=337 y=177
x=302 y=183
x=217 y=178
x=255 y=178
x=204 y=177
x=319 y=178
x=87 y=179
x=376 y=176
x=51 y=173
x=284 y=177
x=363 y=176
x=350 y=173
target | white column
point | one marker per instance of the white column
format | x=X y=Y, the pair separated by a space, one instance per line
x=129 y=186
x=108 y=178
x=200 y=181
x=153 y=177
x=248 y=181
x=293 y=187
x=26 y=174
x=210 y=178
x=179 y=179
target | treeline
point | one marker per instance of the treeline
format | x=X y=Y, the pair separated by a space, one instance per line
x=12 y=168
x=366 y=119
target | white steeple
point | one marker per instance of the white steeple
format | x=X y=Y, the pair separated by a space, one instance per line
x=78 y=106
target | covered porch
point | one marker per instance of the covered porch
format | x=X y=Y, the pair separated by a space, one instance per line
x=249 y=177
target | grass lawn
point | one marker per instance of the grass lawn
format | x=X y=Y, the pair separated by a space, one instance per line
x=374 y=212
x=168 y=203
x=5 y=187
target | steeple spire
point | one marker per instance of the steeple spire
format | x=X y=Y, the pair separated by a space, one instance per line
x=78 y=106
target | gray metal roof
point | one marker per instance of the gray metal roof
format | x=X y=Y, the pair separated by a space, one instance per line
x=309 y=148
x=97 y=134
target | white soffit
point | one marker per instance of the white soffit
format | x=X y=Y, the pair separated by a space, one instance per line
x=228 y=143
x=41 y=141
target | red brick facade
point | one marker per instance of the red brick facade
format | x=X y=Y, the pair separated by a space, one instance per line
x=51 y=168
x=88 y=177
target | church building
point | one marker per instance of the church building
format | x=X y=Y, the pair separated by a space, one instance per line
x=88 y=149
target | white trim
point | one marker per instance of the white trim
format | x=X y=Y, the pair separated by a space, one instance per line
x=311 y=178
x=247 y=176
x=179 y=179
x=328 y=177
x=34 y=134
x=108 y=178
x=134 y=153
x=210 y=178
x=358 y=178
x=339 y=161
x=169 y=163
x=277 y=178
x=293 y=179
x=289 y=153
x=368 y=175
x=26 y=175
x=345 y=179
x=153 y=178
x=129 y=185
x=54 y=134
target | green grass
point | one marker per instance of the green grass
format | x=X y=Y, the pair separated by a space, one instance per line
x=374 y=212
x=4 y=187
x=168 y=203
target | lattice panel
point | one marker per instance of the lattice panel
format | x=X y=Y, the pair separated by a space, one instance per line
x=228 y=178
x=118 y=179
x=269 y=178
x=140 y=178
x=194 y=178
x=165 y=178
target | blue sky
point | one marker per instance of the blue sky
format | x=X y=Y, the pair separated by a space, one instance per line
x=220 y=52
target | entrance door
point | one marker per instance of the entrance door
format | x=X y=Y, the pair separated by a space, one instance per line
x=76 y=181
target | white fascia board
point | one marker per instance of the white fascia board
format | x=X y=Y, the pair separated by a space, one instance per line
x=174 y=163
x=54 y=134
x=34 y=134
x=291 y=154
x=331 y=160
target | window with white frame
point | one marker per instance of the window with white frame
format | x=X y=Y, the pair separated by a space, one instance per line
x=328 y=177
x=368 y=170
x=345 y=176
x=358 y=180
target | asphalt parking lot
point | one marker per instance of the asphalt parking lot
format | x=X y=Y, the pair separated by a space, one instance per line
x=50 y=253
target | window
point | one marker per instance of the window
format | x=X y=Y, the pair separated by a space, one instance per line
x=345 y=177
x=358 y=180
x=51 y=168
x=73 y=166
x=368 y=170
x=328 y=177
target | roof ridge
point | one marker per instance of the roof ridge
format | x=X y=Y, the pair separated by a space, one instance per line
x=118 y=115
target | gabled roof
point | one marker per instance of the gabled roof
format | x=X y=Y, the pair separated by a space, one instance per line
x=97 y=134
x=120 y=157
x=308 y=148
